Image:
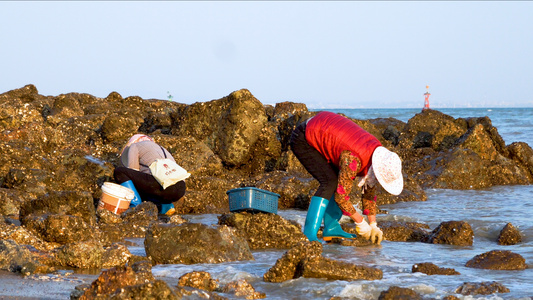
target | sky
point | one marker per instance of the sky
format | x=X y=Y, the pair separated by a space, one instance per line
x=326 y=54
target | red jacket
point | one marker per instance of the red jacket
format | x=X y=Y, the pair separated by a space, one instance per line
x=331 y=134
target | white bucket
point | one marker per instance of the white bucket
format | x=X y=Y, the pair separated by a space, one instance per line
x=115 y=198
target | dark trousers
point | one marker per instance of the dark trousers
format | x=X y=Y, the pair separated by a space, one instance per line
x=148 y=187
x=314 y=163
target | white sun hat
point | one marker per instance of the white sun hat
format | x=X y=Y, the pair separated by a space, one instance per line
x=387 y=167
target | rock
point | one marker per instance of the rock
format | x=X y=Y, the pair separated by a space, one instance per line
x=522 y=153
x=61 y=229
x=481 y=288
x=293 y=191
x=23 y=236
x=83 y=255
x=80 y=204
x=286 y=266
x=404 y=231
x=321 y=267
x=173 y=219
x=199 y=280
x=432 y=269
x=230 y=125
x=192 y=293
x=468 y=149
x=193 y=243
x=457 y=233
x=157 y=289
x=104 y=216
x=117 y=127
x=498 y=260
x=431 y=128
x=116 y=255
x=242 y=288
x=399 y=293
x=10 y=202
x=509 y=235
x=123 y=280
x=132 y=223
x=16 y=258
x=265 y=230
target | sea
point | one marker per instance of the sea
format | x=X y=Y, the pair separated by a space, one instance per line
x=487 y=211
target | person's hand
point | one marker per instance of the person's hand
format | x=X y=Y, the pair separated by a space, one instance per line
x=376 y=235
x=363 y=229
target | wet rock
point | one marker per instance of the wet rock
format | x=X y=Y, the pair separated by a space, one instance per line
x=469 y=149
x=173 y=219
x=265 y=230
x=432 y=269
x=137 y=220
x=157 y=289
x=498 y=260
x=457 y=233
x=242 y=288
x=80 y=204
x=321 y=267
x=118 y=279
x=523 y=154
x=481 y=288
x=83 y=255
x=192 y=243
x=116 y=255
x=399 y=293
x=192 y=293
x=143 y=269
x=16 y=258
x=132 y=223
x=404 y=231
x=46 y=262
x=286 y=266
x=199 y=280
x=509 y=235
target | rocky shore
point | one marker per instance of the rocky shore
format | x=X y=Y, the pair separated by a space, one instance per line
x=57 y=151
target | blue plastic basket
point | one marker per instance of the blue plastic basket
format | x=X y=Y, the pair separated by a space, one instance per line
x=253 y=199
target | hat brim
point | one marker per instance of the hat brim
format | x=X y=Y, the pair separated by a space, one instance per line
x=395 y=188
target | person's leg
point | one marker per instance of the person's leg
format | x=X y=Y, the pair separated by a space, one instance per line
x=322 y=171
x=332 y=227
x=148 y=187
x=314 y=163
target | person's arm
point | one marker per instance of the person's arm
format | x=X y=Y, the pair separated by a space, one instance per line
x=133 y=157
x=349 y=165
x=370 y=208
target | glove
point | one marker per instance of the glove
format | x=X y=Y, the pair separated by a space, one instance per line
x=363 y=229
x=376 y=235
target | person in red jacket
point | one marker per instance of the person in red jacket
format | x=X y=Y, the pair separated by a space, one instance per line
x=337 y=152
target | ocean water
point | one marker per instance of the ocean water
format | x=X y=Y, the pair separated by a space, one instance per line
x=487 y=211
